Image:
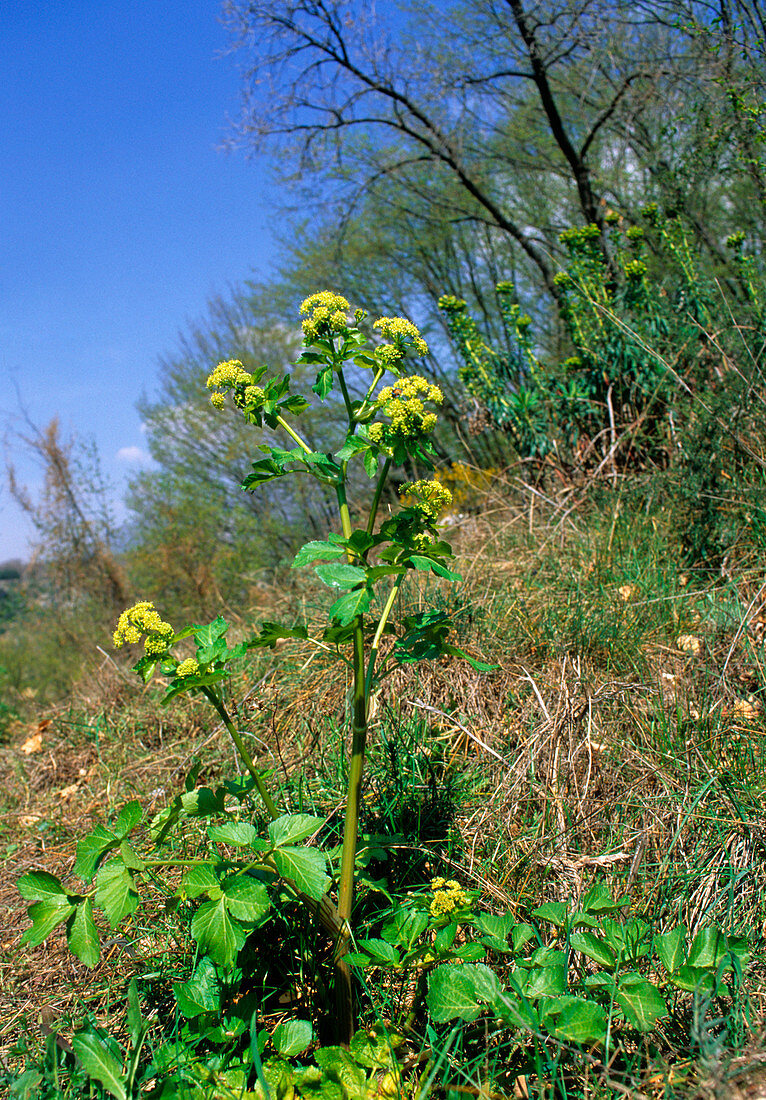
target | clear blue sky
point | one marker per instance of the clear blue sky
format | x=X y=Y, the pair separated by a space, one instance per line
x=119 y=216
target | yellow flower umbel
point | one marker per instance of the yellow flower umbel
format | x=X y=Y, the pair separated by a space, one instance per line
x=230 y=375
x=405 y=338
x=430 y=498
x=189 y=667
x=143 y=619
x=404 y=404
x=328 y=314
x=448 y=896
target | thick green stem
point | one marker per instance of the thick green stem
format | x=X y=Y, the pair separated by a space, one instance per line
x=245 y=756
x=379 y=632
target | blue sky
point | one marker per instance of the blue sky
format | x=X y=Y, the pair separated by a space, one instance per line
x=119 y=215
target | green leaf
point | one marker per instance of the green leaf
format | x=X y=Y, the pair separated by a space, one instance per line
x=306 y=867
x=444 y=938
x=708 y=948
x=240 y=834
x=266 y=469
x=496 y=929
x=134 y=1019
x=553 y=911
x=99 y=1062
x=202 y=992
x=599 y=900
x=354 y=445
x=315 y=551
x=583 y=1022
x=200 y=879
x=451 y=994
x=39 y=886
x=271 y=633
x=116 y=891
x=521 y=935
x=202 y=802
x=348 y=607
x=130 y=815
x=292 y=1037
x=693 y=979
x=551 y=981
x=47 y=915
x=82 y=935
x=340 y=574
x=671 y=948
x=595 y=948
x=216 y=932
x=641 y=1002
x=323 y=383
x=370 y=461
x=247 y=899
x=429 y=565
x=380 y=951
x=290 y=828
x=130 y=858
x=208 y=634
x=92 y=849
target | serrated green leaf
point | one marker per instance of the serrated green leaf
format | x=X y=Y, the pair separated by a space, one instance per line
x=338 y=574
x=370 y=461
x=202 y=992
x=291 y=828
x=671 y=948
x=129 y=816
x=444 y=938
x=240 y=834
x=292 y=1037
x=317 y=551
x=641 y=1002
x=92 y=849
x=217 y=932
x=247 y=899
x=582 y=1022
x=271 y=633
x=521 y=935
x=348 y=607
x=200 y=879
x=306 y=867
x=550 y=981
x=39 y=885
x=380 y=951
x=46 y=915
x=100 y=1063
x=116 y=891
x=82 y=935
x=496 y=929
x=595 y=948
x=451 y=995
x=428 y=565
x=708 y=948
x=553 y=911
x=207 y=634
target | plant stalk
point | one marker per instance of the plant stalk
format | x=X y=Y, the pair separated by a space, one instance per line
x=245 y=756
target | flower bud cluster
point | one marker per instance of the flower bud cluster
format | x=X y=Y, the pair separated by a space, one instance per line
x=189 y=667
x=448 y=896
x=230 y=375
x=139 y=620
x=328 y=314
x=404 y=336
x=430 y=498
x=404 y=404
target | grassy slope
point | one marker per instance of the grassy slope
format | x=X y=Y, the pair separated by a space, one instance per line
x=621 y=741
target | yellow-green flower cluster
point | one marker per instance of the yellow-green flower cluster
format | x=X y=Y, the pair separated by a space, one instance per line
x=403 y=336
x=578 y=236
x=139 y=620
x=635 y=233
x=329 y=314
x=189 y=667
x=635 y=269
x=430 y=498
x=736 y=240
x=226 y=376
x=562 y=278
x=448 y=896
x=404 y=404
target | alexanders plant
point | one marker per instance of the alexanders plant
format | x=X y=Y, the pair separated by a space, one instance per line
x=364 y=564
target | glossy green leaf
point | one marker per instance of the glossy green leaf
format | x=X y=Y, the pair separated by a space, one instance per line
x=306 y=867
x=292 y=1037
x=247 y=899
x=47 y=915
x=338 y=574
x=671 y=948
x=380 y=951
x=116 y=891
x=595 y=948
x=552 y=911
x=92 y=849
x=581 y=1022
x=348 y=607
x=240 y=834
x=451 y=994
x=202 y=992
x=100 y=1063
x=429 y=565
x=708 y=948
x=39 y=886
x=82 y=935
x=317 y=551
x=291 y=828
x=641 y=1002
x=693 y=979
x=129 y=816
x=216 y=932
